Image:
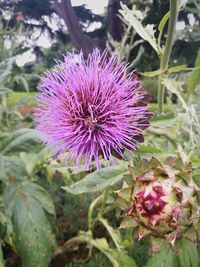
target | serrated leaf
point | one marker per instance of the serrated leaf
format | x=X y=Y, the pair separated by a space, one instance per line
x=146 y=33
x=32 y=232
x=176 y=88
x=98 y=180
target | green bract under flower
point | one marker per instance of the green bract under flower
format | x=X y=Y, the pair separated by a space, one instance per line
x=161 y=200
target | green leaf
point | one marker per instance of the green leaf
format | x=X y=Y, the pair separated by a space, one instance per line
x=102 y=243
x=163 y=21
x=33 y=236
x=118 y=258
x=42 y=196
x=175 y=87
x=98 y=180
x=31 y=159
x=123 y=259
x=11 y=166
x=20 y=79
x=125 y=193
x=23 y=140
x=183 y=3
x=151 y=73
x=161 y=27
x=147 y=33
x=150 y=150
x=32 y=231
x=178 y=69
x=5 y=69
x=128 y=222
x=194 y=76
x=170 y=70
x=5 y=90
x=164 y=258
x=153 y=151
x=1 y=258
x=188 y=254
x=3 y=220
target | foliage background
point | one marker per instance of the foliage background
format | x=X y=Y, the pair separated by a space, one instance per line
x=57 y=215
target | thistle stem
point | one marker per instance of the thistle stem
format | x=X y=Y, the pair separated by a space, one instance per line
x=174 y=9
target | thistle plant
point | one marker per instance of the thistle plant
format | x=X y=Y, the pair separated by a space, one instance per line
x=134 y=17
x=161 y=201
x=91 y=108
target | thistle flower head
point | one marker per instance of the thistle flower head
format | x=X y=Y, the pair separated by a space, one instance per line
x=161 y=201
x=91 y=107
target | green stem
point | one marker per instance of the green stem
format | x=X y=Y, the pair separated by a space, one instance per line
x=91 y=209
x=174 y=9
x=89 y=240
x=111 y=232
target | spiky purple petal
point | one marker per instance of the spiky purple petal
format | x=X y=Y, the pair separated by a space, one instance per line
x=91 y=108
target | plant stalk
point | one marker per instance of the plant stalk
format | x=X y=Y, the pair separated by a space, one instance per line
x=174 y=10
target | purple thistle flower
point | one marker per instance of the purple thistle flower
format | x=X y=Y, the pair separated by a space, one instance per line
x=91 y=108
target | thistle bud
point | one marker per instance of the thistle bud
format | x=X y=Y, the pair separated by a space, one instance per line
x=161 y=201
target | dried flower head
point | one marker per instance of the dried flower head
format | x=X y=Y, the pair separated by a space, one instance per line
x=91 y=107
